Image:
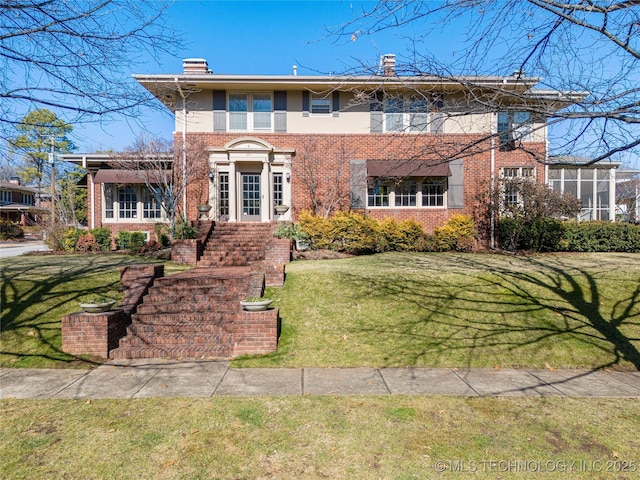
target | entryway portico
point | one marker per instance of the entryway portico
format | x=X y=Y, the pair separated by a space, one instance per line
x=249 y=178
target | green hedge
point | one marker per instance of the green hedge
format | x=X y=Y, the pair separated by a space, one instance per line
x=552 y=235
x=10 y=230
x=600 y=236
x=133 y=241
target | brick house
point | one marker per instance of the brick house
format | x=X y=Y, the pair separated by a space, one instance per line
x=387 y=145
x=18 y=203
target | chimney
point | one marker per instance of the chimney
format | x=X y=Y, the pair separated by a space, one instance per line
x=195 y=66
x=14 y=181
x=389 y=65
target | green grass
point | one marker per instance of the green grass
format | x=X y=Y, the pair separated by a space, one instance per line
x=460 y=310
x=315 y=437
x=36 y=291
x=435 y=310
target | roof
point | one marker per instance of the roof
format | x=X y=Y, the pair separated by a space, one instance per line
x=405 y=168
x=4 y=185
x=129 y=176
x=571 y=160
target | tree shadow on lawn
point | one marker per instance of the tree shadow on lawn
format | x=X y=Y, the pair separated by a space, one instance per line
x=499 y=308
x=36 y=291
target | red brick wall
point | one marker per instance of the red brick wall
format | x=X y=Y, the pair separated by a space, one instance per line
x=93 y=333
x=336 y=151
x=255 y=332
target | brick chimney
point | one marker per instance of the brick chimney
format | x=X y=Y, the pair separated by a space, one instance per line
x=195 y=66
x=14 y=181
x=389 y=65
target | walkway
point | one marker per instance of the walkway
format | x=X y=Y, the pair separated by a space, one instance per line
x=158 y=378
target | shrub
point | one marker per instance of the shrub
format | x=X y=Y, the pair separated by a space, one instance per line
x=457 y=234
x=356 y=234
x=137 y=241
x=318 y=229
x=102 y=236
x=70 y=238
x=600 y=236
x=182 y=230
x=87 y=243
x=162 y=237
x=538 y=234
x=10 y=230
x=407 y=235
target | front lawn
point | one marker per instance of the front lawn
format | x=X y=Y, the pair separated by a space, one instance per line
x=386 y=437
x=460 y=310
x=36 y=291
x=395 y=309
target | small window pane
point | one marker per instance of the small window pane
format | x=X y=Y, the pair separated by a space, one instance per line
x=406 y=194
x=320 y=105
x=262 y=102
x=238 y=102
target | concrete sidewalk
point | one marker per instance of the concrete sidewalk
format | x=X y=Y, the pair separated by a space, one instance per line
x=162 y=378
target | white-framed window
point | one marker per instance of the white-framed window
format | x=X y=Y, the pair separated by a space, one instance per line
x=406 y=114
x=150 y=205
x=251 y=111
x=510 y=176
x=320 y=104
x=126 y=203
x=421 y=192
x=592 y=185
x=27 y=199
x=6 y=196
x=278 y=190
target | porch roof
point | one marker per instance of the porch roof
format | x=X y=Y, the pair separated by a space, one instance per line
x=130 y=177
x=406 y=168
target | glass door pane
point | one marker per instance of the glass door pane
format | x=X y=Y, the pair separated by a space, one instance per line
x=250 y=197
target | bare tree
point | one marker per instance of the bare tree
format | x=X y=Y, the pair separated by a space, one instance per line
x=324 y=178
x=76 y=55
x=588 y=48
x=166 y=170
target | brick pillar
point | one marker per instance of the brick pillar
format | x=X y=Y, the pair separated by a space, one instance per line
x=93 y=333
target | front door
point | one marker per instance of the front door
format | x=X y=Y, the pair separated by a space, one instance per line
x=250 y=197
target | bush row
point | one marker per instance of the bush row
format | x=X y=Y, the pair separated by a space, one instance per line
x=551 y=235
x=100 y=240
x=358 y=234
x=9 y=230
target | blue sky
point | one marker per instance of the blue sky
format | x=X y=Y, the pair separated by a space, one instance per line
x=249 y=37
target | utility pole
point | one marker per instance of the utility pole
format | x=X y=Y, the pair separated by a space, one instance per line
x=53 y=179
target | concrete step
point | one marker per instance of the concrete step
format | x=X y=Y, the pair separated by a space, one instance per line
x=173 y=351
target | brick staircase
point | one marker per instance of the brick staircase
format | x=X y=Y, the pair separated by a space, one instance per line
x=197 y=313
x=234 y=244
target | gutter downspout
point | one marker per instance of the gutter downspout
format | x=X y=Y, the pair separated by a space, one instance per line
x=492 y=219
x=184 y=149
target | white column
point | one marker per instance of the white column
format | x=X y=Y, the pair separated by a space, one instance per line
x=265 y=192
x=233 y=192
x=612 y=194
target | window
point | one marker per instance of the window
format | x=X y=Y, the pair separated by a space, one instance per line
x=591 y=185
x=277 y=189
x=378 y=195
x=6 y=197
x=27 y=199
x=406 y=194
x=513 y=126
x=320 y=104
x=250 y=111
x=410 y=192
x=224 y=194
x=510 y=177
x=406 y=114
x=150 y=205
x=108 y=201
x=128 y=203
x=433 y=192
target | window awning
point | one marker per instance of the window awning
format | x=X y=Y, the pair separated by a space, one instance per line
x=129 y=177
x=406 y=168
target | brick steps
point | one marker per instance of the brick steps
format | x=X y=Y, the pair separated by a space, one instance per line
x=197 y=313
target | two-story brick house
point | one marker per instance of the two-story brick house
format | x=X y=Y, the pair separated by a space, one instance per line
x=416 y=147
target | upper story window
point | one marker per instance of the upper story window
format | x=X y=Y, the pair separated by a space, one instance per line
x=513 y=126
x=250 y=111
x=27 y=199
x=320 y=104
x=406 y=114
x=6 y=197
